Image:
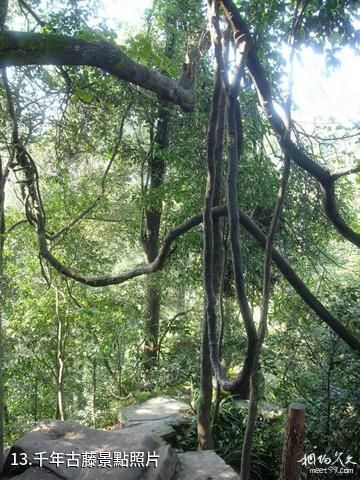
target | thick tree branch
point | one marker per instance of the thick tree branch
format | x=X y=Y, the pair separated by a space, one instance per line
x=103 y=281
x=25 y=6
x=20 y=48
x=299 y=286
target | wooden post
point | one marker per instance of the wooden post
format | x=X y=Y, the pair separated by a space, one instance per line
x=293 y=444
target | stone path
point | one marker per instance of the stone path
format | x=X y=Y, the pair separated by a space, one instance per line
x=146 y=429
x=160 y=416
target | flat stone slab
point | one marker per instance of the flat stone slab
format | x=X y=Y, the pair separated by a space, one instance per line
x=159 y=408
x=206 y=465
x=135 y=452
x=159 y=416
x=38 y=473
x=88 y=454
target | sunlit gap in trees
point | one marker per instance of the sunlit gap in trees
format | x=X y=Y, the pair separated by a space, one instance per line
x=321 y=96
x=326 y=94
x=324 y=100
x=124 y=11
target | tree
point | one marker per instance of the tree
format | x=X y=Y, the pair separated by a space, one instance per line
x=226 y=105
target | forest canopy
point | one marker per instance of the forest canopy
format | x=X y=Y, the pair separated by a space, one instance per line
x=169 y=223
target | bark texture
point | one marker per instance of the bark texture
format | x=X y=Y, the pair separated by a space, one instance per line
x=59 y=365
x=294 y=441
x=20 y=48
x=151 y=229
x=2 y=285
x=205 y=438
x=152 y=322
x=211 y=242
x=295 y=281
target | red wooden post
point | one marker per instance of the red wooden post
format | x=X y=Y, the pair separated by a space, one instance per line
x=293 y=444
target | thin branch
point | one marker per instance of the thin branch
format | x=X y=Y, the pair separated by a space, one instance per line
x=44 y=274
x=24 y=5
x=320 y=139
x=116 y=148
x=169 y=323
x=270 y=238
x=22 y=161
x=102 y=219
x=299 y=286
x=92 y=206
x=69 y=290
x=344 y=172
x=76 y=220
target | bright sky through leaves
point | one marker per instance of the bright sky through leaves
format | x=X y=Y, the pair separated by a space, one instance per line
x=129 y=13
x=322 y=97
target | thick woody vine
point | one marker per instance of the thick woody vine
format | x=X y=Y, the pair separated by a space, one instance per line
x=18 y=48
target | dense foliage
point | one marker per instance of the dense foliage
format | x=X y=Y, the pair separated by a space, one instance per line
x=77 y=352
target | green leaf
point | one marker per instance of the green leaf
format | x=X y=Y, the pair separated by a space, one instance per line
x=83 y=96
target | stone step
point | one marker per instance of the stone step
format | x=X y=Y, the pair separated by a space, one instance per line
x=160 y=416
x=146 y=428
x=74 y=443
x=206 y=465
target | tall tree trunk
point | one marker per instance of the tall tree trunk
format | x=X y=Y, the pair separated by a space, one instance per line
x=3 y=177
x=205 y=438
x=1 y=388
x=150 y=238
x=2 y=283
x=59 y=404
x=120 y=362
x=94 y=388
x=36 y=394
x=59 y=358
x=152 y=322
x=59 y=385
x=331 y=365
x=151 y=229
x=221 y=330
x=293 y=445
